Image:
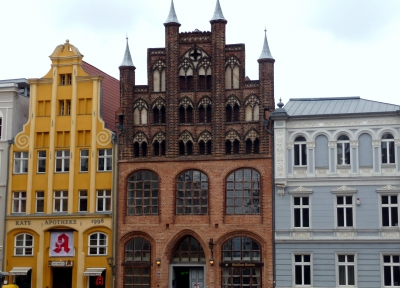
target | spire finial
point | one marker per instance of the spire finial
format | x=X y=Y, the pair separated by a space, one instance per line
x=280 y=104
x=172 y=15
x=265 y=54
x=127 y=61
x=218 y=15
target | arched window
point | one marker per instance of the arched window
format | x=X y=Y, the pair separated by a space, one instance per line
x=205 y=143
x=300 y=151
x=140 y=145
x=159 y=76
x=186 y=75
x=97 y=244
x=137 y=263
x=232 y=109
x=252 y=142
x=159 y=111
x=252 y=110
x=192 y=193
x=241 y=250
x=243 y=192
x=232 y=140
x=205 y=75
x=205 y=110
x=140 y=112
x=343 y=150
x=185 y=144
x=159 y=144
x=387 y=147
x=189 y=250
x=185 y=110
x=142 y=197
x=232 y=73
x=23 y=245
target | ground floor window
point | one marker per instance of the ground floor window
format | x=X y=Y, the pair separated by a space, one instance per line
x=24 y=281
x=137 y=277
x=98 y=281
x=391 y=270
x=241 y=277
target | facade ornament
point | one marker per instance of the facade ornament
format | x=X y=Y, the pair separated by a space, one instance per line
x=139 y=138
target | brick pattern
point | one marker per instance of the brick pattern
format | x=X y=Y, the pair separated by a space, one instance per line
x=165 y=230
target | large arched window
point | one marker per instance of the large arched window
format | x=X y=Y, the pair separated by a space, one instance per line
x=192 y=193
x=142 y=197
x=388 y=152
x=137 y=263
x=241 y=250
x=97 y=244
x=189 y=250
x=243 y=192
x=23 y=245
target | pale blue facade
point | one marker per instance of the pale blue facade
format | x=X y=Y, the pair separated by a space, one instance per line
x=337 y=186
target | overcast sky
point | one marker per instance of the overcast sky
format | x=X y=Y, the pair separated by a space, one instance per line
x=322 y=48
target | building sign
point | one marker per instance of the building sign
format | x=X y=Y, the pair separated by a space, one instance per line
x=61 y=244
x=68 y=263
x=241 y=264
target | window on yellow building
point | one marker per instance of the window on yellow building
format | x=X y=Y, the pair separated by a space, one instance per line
x=41 y=168
x=83 y=201
x=65 y=79
x=39 y=202
x=98 y=244
x=64 y=107
x=105 y=160
x=19 y=202
x=20 y=162
x=60 y=201
x=62 y=161
x=84 y=163
x=103 y=201
x=23 y=245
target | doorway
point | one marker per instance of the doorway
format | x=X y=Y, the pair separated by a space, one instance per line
x=188 y=277
x=62 y=277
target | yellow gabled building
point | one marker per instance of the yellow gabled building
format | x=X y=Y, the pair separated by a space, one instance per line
x=59 y=206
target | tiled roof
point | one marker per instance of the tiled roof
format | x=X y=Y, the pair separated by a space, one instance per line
x=110 y=95
x=337 y=105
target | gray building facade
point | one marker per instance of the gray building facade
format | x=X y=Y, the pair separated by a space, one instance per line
x=337 y=191
x=14 y=109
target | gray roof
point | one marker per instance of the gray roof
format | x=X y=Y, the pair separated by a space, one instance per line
x=127 y=61
x=172 y=15
x=336 y=105
x=265 y=54
x=218 y=15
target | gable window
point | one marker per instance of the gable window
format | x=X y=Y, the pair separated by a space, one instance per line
x=344 y=211
x=391 y=270
x=137 y=263
x=300 y=151
x=243 y=192
x=103 y=201
x=60 y=201
x=105 y=160
x=23 y=245
x=389 y=209
x=302 y=269
x=301 y=211
x=192 y=193
x=41 y=162
x=388 y=151
x=98 y=244
x=39 y=202
x=62 y=160
x=343 y=150
x=19 y=202
x=346 y=270
x=232 y=73
x=142 y=197
x=20 y=162
x=241 y=250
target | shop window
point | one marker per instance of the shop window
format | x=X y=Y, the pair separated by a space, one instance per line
x=137 y=263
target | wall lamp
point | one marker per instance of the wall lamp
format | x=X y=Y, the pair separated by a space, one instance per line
x=110 y=262
x=211 y=246
x=158 y=261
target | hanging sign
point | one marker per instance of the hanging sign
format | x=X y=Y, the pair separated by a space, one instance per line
x=61 y=244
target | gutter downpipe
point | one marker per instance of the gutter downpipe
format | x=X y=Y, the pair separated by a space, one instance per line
x=112 y=281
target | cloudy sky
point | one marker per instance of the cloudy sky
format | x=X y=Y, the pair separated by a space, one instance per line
x=322 y=48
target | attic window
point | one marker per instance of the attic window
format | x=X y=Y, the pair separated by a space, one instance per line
x=65 y=79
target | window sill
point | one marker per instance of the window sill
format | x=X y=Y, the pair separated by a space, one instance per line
x=103 y=171
x=390 y=165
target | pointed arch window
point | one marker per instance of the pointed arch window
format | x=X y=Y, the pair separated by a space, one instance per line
x=159 y=111
x=205 y=143
x=232 y=109
x=205 y=110
x=205 y=75
x=185 y=144
x=159 y=76
x=159 y=144
x=140 y=112
x=140 y=145
x=232 y=143
x=243 y=192
x=387 y=149
x=232 y=73
x=137 y=270
x=186 y=75
x=185 y=111
x=252 y=142
x=252 y=110
x=142 y=197
x=189 y=250
x=192 y=193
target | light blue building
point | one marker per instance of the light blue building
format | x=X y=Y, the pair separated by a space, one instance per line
x=337 y=185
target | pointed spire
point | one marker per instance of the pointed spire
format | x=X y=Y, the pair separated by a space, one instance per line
x=218 y=13
x=266 y=54
x=172 y=15
x=127 y=57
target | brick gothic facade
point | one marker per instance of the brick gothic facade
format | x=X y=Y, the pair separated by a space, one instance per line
x=195 y=165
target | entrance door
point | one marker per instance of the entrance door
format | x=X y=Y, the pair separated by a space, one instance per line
x=62 y=277
x=188 y=277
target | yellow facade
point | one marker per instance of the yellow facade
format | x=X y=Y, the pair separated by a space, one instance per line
x=61 y=182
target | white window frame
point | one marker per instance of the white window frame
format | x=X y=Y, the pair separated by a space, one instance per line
x=344 y=206
x=388 y=150
x=301 y=192
x=343 y=143
x=19 y=200
x=389 y=205
x=98 y=246
x=302 y=264
x=41 y=158
x=22 y=159
x=1 y=126
x=82 y=197
x=390 y=264
x=301 y=207
x=106 y=158
x=299 y=145
x=63 y=159
x=60 y=199
x=346 y=264
x=24 y=247
x=84 y=157
x=101 y=198
x=39 y=198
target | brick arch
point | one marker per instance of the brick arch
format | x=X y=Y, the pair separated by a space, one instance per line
x=185 y=136
x=172 y=244
x=186 y=53
x=123 y=239
x=239 y=233
x=242 y=167
x=140 y=137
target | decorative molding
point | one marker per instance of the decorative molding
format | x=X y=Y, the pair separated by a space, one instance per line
x=22 y=141
x=376 y=143
x=332 y=144
x=157 y=52
x=388 y=170
x=159 y=137
x=252 y=100
x=251 y=84
x=232 y=100
x=345 y=234
x=397 y=142
x=232 y=135
x=195 y=39
x=388 y=189
x=185 y=137
x=322 y=171
x=344 y=190
x=205 y=102
x=252 y=135
x=159 y=65
x=343 y=123
x=186 y=102
x=353 y=143
x=103 y=138
x=140 y=104
x=390 y=234
x=343 y=171
x=279 y=153
x=280 y=189
x=205 y=136
x=233 y=48
x=300 y=171
x=140 y=89
x=366 y=171
x=159 y=103
x=289 y=145
x=301 y=235
x=140 y=137
x=310 y=144
x=300 y=190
